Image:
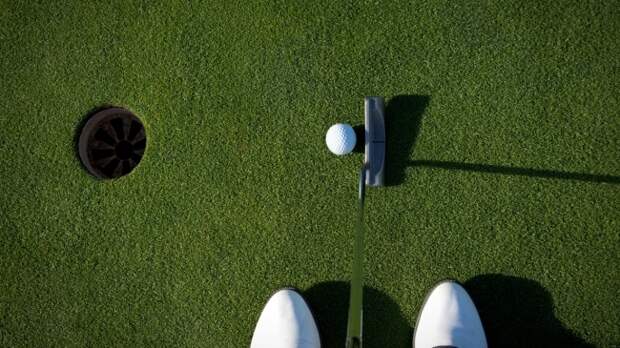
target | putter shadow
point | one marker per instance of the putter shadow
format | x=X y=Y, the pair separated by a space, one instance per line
x=384 y=323
x=531 y=172
x=403 y=117
x=518 y=312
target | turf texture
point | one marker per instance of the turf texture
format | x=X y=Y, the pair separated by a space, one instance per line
x=504 y=168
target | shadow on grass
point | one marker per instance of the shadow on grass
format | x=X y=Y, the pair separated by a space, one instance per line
x=531 y=172
x=518 y=312
x=403 y=118
x=403 y=115
x=384 y=323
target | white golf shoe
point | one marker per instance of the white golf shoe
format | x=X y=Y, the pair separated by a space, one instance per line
x=286 y=322
x=449 y=319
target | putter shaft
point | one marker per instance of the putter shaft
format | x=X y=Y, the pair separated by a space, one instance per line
x=354 y=325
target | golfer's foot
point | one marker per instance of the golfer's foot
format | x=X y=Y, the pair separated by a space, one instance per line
x=449 y=319
x=286 y=322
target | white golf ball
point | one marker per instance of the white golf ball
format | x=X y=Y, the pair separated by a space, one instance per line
x=340 y=139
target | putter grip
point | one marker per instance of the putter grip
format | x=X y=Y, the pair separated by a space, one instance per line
x=374 y=117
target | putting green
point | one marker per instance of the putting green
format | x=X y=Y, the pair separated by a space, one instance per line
x=503 y=150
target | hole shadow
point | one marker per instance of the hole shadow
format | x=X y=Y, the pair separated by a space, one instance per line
x=518 y=312
x=403 y=118
x=384 y=323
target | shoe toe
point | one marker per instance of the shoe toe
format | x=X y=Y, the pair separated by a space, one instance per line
x=286 y=322
x=449 y=318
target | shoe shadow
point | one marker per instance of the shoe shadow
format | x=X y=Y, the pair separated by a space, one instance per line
x=384 y=323
x=518 y=312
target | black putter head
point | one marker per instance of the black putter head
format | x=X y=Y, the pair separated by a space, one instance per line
x=374 y=123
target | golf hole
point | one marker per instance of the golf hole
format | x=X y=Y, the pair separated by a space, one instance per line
x=111 y=143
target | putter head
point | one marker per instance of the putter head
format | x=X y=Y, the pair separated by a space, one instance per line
x=374 y=124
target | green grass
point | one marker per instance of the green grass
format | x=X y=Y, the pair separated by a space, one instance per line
x=237 y=194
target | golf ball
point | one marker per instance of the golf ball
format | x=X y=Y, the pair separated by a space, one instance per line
x=340 y=139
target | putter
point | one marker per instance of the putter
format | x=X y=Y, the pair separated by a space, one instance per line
x=371 y=174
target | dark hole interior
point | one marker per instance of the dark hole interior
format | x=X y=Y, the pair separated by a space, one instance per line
x=124 y=150
x=113 y=143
